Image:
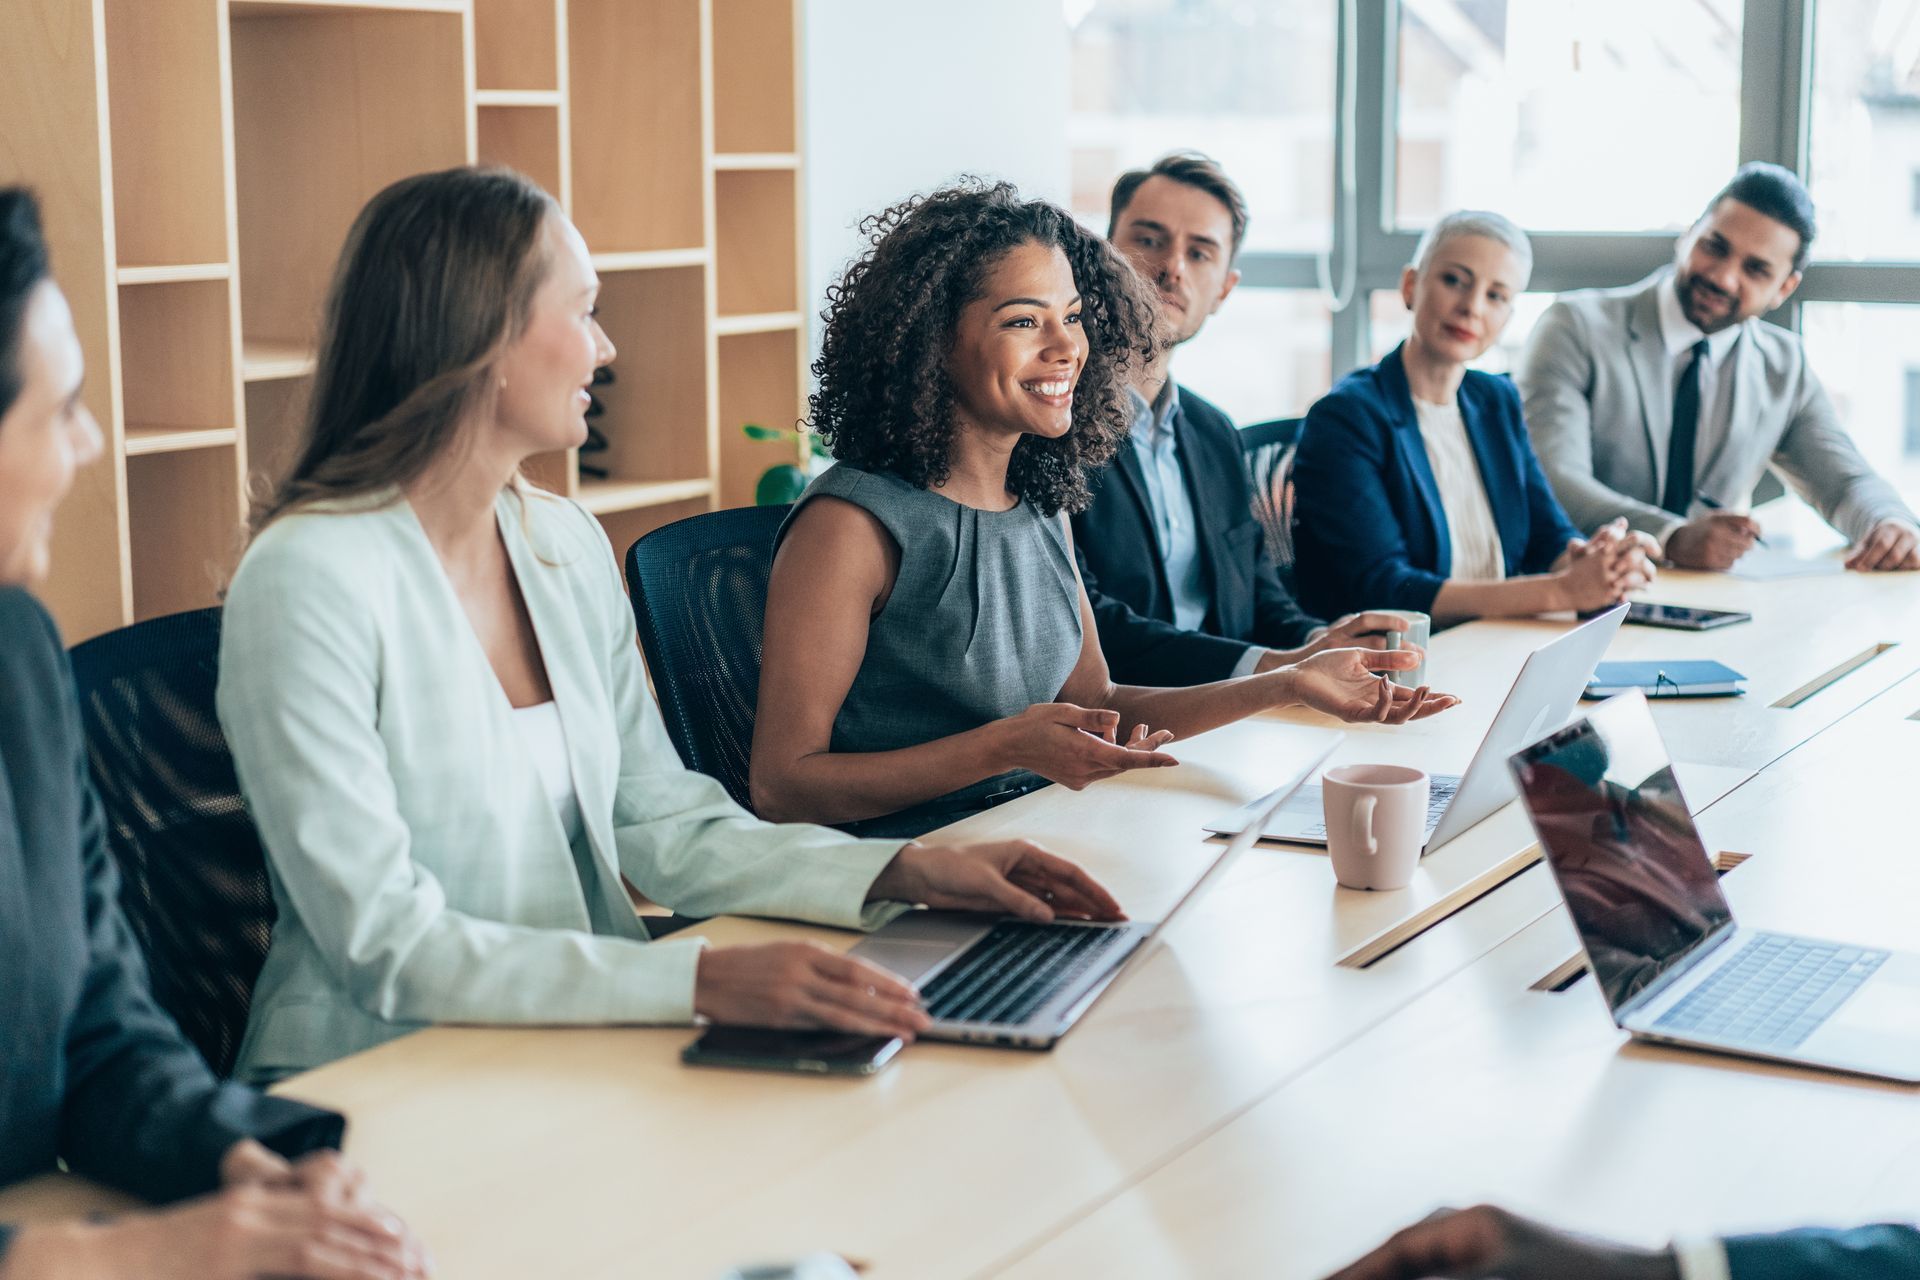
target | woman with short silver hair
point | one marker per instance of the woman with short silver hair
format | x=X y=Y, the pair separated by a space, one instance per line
x=1417 y=485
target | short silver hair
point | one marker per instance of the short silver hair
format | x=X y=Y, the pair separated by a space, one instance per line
x=1476 y=222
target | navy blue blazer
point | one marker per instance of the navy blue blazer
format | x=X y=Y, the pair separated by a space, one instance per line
x=1126 y=580
x=1885 y=1252
x=1372 y=533
x=92 y=1071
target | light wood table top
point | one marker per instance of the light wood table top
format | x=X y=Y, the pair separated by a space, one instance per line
x=1001 y=1145
x=592 y=1152
x=1799 y=656
x=1487 y=1089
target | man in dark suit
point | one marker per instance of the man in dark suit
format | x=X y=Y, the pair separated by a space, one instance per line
x=1485 y=1241
x=1174 y=562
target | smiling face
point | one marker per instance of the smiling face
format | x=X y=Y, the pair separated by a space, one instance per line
x=1180 y=239
x=1735 y=264
x=1018 y=348
x=547 y=369
x=1463 y=299
x=45 y=436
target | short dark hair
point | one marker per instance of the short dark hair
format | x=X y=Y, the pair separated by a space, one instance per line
x=1779 y=194
x=1195 y=170
x=885 y=400
x=23 y=265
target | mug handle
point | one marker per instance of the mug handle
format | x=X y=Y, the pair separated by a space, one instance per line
x=1363 y=823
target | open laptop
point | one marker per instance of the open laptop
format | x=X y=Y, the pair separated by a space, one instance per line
x=1543 y=695
x=1002 y=980
x=1671 y=961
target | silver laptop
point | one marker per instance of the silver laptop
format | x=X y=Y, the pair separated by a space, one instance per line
x=1671 y=961
x=1001 y=980
x=1543 y=695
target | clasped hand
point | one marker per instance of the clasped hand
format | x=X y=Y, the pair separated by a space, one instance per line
x=1601 y=571
x=309 y=1220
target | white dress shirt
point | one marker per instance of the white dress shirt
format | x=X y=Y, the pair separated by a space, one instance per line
x=1716 y=377
x=1477 y=554
x=545 y=738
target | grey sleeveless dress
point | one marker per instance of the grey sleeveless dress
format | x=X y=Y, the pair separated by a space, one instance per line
x=983 y=622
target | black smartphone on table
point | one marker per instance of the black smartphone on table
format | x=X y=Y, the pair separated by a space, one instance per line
x=1681 y=617
x=821 y=1053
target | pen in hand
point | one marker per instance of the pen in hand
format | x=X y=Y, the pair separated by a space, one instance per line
x=1712 y=505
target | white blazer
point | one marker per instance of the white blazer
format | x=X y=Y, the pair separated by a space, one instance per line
x=420 y=869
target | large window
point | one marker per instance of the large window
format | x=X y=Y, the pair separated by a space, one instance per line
x=1566 y=116
x=1868 y=357
x=1865 y=148
x=1602 y=126
x=1248 y=83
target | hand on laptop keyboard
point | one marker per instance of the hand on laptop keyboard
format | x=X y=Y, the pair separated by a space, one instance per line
x=1014 y=877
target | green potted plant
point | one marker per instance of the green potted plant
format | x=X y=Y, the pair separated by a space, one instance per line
x=786 y=481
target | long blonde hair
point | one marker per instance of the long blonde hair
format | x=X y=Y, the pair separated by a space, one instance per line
x=437 y=277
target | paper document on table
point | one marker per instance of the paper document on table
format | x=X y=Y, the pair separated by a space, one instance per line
x=1763 y=564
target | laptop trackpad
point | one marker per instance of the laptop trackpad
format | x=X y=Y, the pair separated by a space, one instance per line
x=916 y=943
x=1888 y=1004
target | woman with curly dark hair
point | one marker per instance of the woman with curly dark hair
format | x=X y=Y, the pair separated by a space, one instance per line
x=929 y=648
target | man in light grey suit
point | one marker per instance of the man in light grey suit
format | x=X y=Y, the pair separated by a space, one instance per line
x=1664 y=402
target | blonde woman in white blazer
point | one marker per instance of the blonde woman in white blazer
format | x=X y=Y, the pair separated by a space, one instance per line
x=440 y=719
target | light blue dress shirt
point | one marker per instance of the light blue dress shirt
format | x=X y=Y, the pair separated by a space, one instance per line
x=1176 y=532
x=1174 y=529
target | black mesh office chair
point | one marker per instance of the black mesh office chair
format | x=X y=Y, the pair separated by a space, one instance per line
x=699 y=589
x=195 y=880
x=1268 y=448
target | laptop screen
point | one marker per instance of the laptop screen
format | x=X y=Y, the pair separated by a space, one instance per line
x=1616 y=832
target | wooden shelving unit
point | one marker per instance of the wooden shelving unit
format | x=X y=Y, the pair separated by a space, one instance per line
x=201 y=160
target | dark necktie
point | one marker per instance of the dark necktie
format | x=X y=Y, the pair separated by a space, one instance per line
x=1686 y=425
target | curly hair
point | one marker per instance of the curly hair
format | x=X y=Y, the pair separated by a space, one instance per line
x=885 y=399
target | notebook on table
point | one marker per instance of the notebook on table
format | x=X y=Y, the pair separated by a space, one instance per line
x=1690 y=679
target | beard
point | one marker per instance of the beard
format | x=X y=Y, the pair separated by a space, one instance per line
x=1707 y=308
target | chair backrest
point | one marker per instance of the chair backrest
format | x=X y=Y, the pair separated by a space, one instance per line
x=195 y=880
x=1268 y=448
x=699 y=589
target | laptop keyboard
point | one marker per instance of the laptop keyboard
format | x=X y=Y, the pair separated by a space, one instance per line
x=1774 y=993
x=1014 y=970
x=1439 y=796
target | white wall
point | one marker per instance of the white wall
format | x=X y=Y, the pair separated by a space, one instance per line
x=902 y=95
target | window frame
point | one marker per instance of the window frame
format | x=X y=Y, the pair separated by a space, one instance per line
x=1776 y=82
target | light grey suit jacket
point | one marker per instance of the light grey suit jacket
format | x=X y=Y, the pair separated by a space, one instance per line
x=1598 y=388
x=420 y=870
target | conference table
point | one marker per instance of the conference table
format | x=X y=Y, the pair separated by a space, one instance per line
x=1296 y=1070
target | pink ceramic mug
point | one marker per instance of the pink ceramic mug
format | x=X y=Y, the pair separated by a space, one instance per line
x=1376 y=823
